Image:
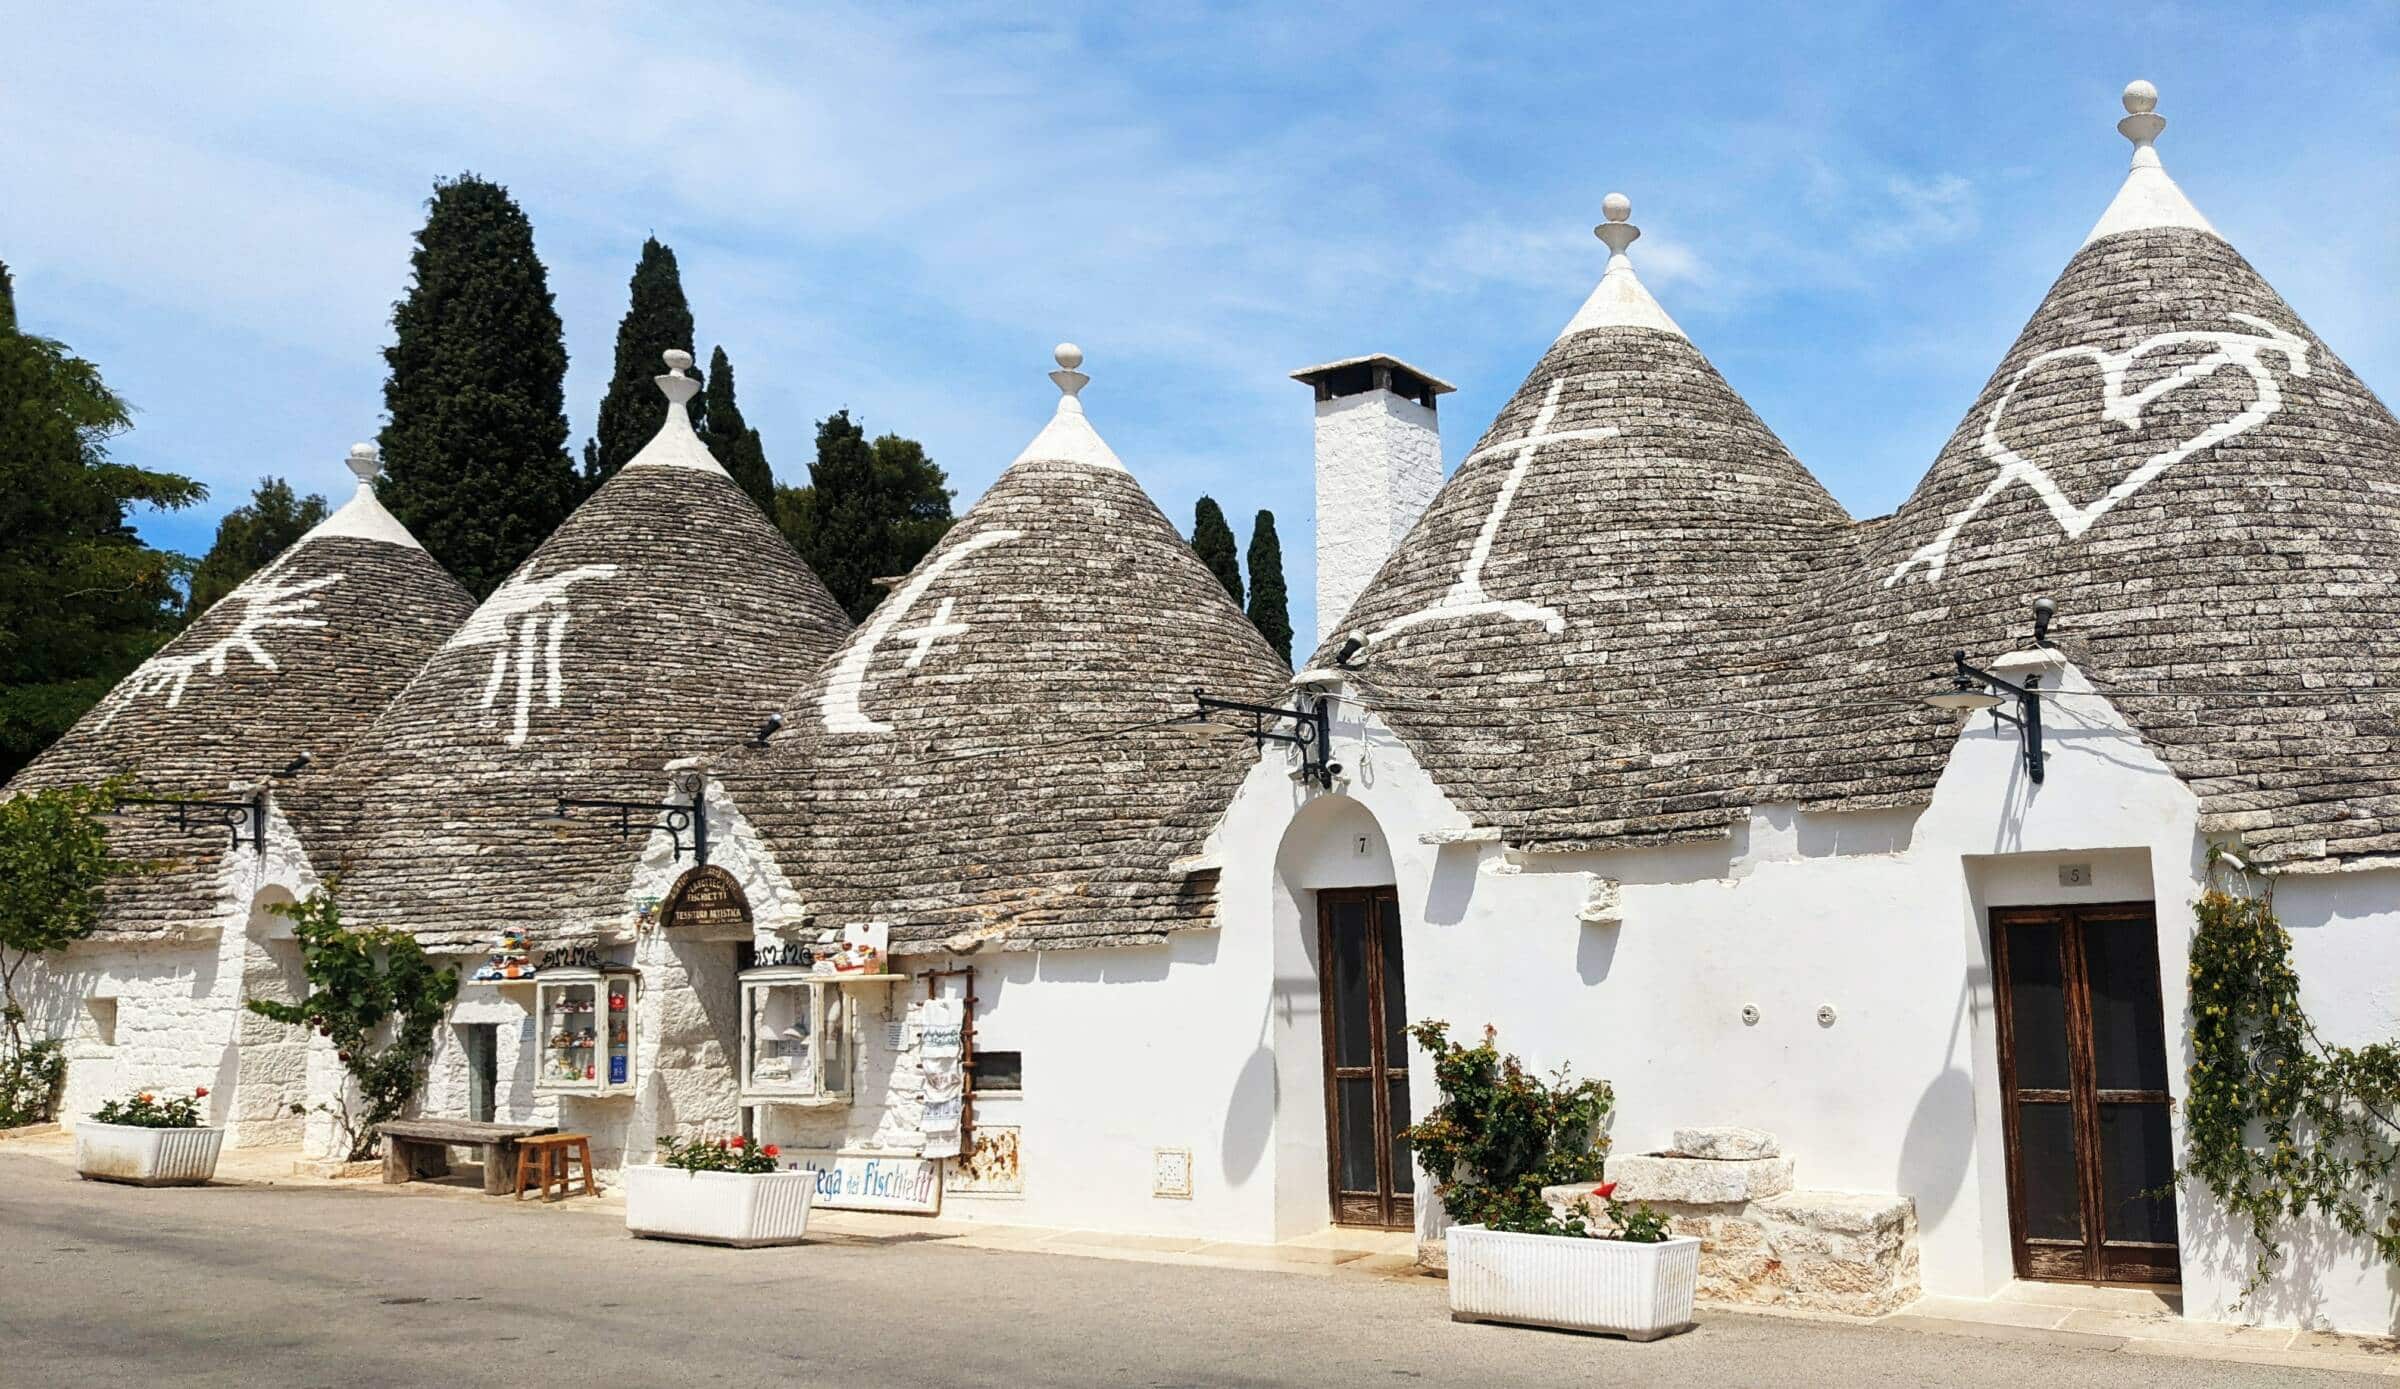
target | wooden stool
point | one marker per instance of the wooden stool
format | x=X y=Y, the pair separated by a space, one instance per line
x=544 y=1159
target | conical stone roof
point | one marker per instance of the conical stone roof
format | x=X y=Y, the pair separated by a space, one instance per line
x=663 y=620
x=298 y=658
x=2208 y=494
x=1617 y=550
x=964 y=764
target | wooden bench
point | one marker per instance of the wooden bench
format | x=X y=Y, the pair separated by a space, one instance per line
x=414 y=1148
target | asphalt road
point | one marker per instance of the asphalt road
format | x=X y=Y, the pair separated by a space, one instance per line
x=359 y=1288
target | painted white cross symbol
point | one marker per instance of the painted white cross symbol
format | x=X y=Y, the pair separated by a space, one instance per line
x=938 y=627
x=1466 y=597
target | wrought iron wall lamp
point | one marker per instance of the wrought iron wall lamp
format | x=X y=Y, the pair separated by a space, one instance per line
x=1311 y=730
x=676 y=820
x=231 y=816
x=1973 y=689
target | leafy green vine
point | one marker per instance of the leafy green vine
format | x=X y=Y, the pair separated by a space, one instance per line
x=54 y=868
x=2278 y=1122
x=373 y=992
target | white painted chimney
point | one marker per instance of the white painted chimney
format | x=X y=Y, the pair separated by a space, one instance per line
x=1379 y=462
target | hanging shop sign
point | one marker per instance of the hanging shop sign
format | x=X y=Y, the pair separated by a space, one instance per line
x=856 y=1182
x=706 y=900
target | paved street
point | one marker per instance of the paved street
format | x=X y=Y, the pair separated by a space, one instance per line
x=360 y=1287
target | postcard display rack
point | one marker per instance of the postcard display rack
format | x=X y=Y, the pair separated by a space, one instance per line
x=584 y=1022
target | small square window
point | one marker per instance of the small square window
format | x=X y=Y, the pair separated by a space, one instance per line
x=999 y=1072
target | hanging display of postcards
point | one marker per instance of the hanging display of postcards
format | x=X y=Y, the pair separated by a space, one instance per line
x=941 y=1069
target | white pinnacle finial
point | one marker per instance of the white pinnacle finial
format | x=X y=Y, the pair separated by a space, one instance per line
x=366 y=463
x=1616 y=232
x=1070 y=381
x=678 y=385
x=2142 y=122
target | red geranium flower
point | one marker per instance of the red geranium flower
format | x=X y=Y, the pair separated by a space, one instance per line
x=772 y=1151
x=739 y=1142
x=1605 y=1190
x=201 y=1093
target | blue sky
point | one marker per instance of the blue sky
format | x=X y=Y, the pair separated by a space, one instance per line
x=1851 y=208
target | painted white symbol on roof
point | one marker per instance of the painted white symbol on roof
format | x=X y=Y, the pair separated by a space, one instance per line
x=839 y=705
x=2244 y=350
x=525 y=620
x=1466 y=597
x=261 y=604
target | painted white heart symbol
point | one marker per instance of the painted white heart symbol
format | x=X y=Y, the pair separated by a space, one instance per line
x=2243 y=350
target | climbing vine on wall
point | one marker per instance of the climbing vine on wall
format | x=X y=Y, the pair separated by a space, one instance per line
x=2280 y=1124
x=373 y=993
x=54 y=867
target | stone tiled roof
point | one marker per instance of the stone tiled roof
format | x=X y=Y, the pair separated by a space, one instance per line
x=958 y=766
x=1620 y=544
x=2212 y=499
x=296 y=659
x=665 y=619
x=1672 y=624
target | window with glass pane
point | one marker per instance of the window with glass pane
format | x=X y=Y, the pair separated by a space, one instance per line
x=781 y=1040
x=570 y=1034
x=2037 y=1005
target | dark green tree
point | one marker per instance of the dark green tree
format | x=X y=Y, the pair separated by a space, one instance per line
x=870 y=510
x=735 y=444
x=8 y=301
x=1213 y=539
x=475 y=459
x=1269 y=611
x=657 y=320
x=82 y=599
x=249 y=538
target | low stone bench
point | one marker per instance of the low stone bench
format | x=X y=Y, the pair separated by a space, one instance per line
x=1761 y=1242
x=414 y=1148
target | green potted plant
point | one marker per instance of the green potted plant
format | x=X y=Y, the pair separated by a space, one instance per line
x=146 y=1141
x=719 y=1191
x=1498 y=1136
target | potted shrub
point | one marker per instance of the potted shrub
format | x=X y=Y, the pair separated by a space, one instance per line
x=148 y=1141
x=1622 y=1276
x=719 y=1191
x=1498 y=1135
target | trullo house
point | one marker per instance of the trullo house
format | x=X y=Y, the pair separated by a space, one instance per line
x=262 y=693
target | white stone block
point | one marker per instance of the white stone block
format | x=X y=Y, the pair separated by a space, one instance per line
x=1698 y=1181
x=1726 y=1143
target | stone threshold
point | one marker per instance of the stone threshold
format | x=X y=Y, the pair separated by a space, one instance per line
x=2136 y=1321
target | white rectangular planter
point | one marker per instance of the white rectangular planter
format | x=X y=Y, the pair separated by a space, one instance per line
x=1638 y=1291
x=743 y=1209
x=146 y=1157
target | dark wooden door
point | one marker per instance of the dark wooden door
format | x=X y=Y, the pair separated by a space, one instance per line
x=2083 y=1071
x=1366 y=1057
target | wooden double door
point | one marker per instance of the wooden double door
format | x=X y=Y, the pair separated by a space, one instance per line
x=1365 y=1004
x=2083 y=1072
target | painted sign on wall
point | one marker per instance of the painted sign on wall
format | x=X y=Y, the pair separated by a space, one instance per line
x=858 y=1182
x=706 y=899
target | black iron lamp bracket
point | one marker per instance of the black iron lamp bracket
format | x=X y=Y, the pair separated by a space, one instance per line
x=1310 y=730
x=686 y=826
x=2028 y=718
x=233 y=817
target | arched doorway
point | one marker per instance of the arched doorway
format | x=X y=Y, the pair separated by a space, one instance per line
x=1341 y=923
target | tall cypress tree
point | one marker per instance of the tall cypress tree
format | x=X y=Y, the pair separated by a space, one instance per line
x=657 y=320
x=8 y=300
x=475 y=460
x=1213 y=540
x=870 y=510
x=249 y=538
x=1269 y=612
x=735 y=444
x=82 y=599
